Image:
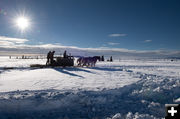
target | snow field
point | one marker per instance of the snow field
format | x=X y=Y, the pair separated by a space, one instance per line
x=111 y=90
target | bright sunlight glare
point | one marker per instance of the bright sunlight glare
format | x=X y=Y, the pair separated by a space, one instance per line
x=22 y=23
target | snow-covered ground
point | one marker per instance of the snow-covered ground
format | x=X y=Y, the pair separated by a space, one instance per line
x=111 y=90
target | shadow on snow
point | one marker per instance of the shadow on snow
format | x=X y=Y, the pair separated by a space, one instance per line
x=66 y=72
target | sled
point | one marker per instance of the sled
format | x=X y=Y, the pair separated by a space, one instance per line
x=58 y=62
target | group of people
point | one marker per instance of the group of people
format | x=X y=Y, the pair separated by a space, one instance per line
x=50 y=57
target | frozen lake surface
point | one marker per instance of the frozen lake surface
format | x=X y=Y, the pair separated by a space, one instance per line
x=120 y=89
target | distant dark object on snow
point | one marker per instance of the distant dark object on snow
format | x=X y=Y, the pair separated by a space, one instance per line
x=110 y=60
x=102 y=58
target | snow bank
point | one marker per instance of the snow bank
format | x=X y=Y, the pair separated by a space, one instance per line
x=130 y=115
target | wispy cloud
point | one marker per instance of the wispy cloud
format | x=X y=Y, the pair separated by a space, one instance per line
x=112 y=43
x=17 y=45
x=9 y=42
x=77 y=51
x=14 y=40
x=147 y=41
x=117 y=35
x=6 y=43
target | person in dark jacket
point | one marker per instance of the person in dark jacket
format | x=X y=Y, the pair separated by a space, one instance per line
x=48 y=58
x=65 y=54
x=52 y=57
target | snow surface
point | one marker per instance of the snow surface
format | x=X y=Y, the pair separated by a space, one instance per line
x=97 y=78
x=111 y=90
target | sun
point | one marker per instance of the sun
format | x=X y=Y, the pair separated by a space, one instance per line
x=23 y=23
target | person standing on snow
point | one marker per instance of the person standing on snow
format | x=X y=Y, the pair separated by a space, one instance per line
x=65 y=54
x=52 y=57
x=48 y=58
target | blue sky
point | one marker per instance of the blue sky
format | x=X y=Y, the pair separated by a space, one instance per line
x=125 y=24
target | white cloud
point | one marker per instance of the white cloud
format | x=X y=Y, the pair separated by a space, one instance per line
x=147 y=41
x=111 y=43
x=117 y=35
x=16 y=45
x=77 y=51
x=13 y=40
x=6 y=43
